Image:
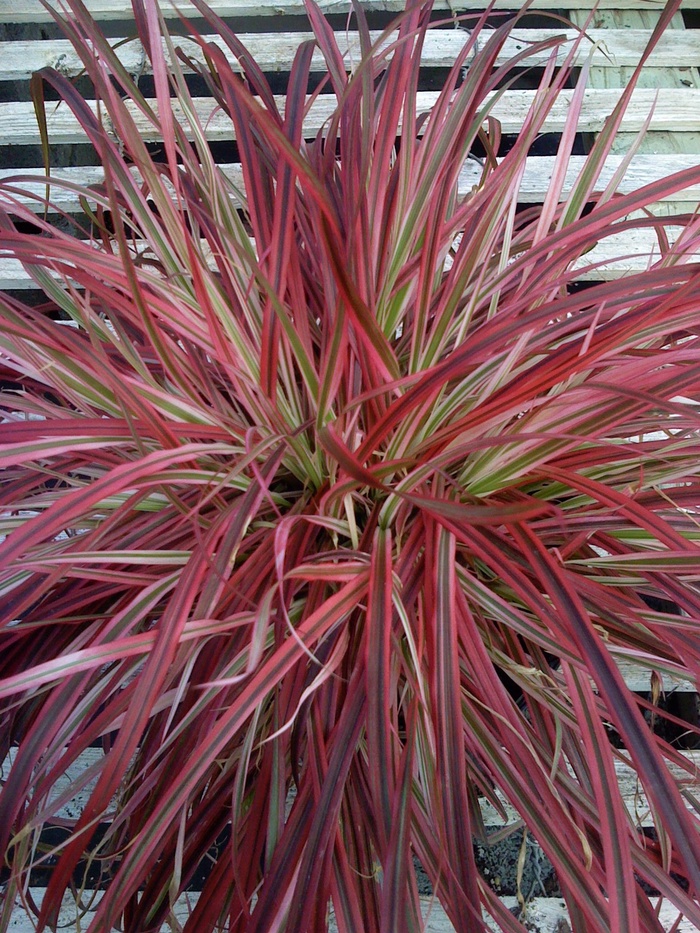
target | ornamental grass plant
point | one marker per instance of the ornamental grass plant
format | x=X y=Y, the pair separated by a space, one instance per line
x=331 y=503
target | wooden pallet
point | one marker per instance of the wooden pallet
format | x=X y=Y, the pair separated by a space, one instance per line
x=616 y=50
x=617 y=39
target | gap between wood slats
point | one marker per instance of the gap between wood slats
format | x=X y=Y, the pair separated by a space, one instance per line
x=613 y=258
x=643 y=170
x=31 y=11
x=675 y=110
x=542 y=914
x=274 y=52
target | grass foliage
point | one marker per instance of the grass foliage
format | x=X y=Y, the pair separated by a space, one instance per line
x=308 y=479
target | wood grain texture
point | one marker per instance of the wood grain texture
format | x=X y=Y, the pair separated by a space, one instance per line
x=643 y=170
x=612 y=49
x=31 y=11
x=672 y=73
x=667 y=70
x=542 y=915
x=674 y=110
x=613 y=258
x=630 y=789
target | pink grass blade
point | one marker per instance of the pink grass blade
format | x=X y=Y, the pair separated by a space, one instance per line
x=397 y=888
x=379 y=664
x=660 y=787
x=311 y=630
x=323 y=828
x=273 y=577
x=451 y=794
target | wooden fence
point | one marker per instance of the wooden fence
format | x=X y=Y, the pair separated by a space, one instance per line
x=272 y=29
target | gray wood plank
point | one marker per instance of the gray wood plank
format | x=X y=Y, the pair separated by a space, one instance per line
x=612 y=49
x=541 y=914
x=630 y=789
x=31 y=11
x=643 y=170
x=673 y=73
x=674 y=110
x=638 y=249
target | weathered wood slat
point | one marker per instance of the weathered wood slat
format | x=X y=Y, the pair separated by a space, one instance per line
x=543 y=914
x=31 y=11
x=673 y=110
x=661 y=71
x=630 y=789
x=638 y=679
x=274 y=52
x=620 y=254
x=643 y=170
x=613 y=258
x=671 y=73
